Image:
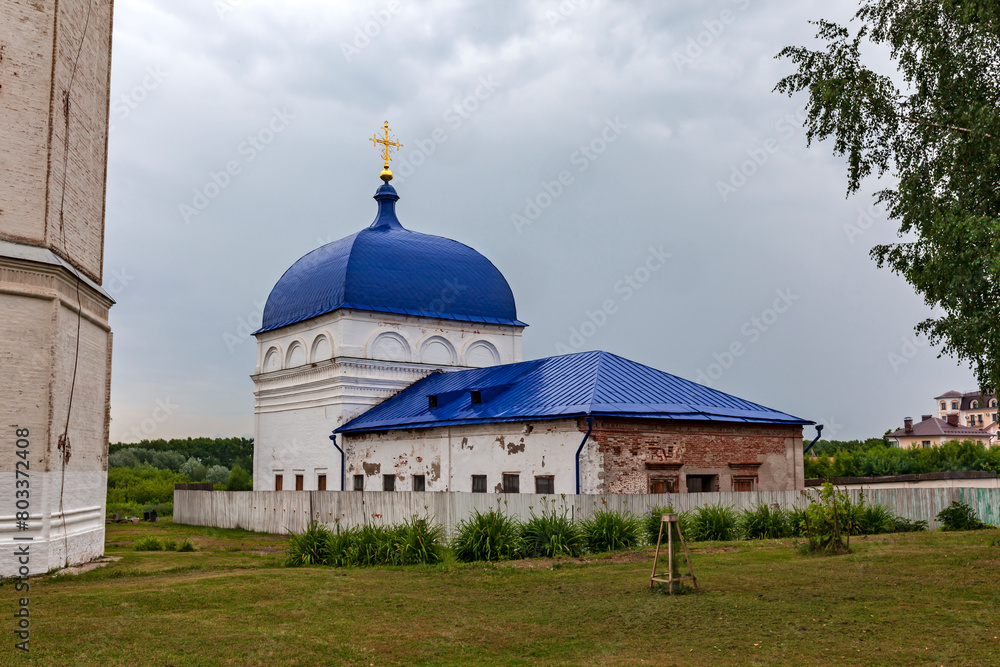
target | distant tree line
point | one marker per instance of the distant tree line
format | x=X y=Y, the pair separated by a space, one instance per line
x=874 y=457
x=142 y=475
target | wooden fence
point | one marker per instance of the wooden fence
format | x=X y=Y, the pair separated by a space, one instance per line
x=281 y=511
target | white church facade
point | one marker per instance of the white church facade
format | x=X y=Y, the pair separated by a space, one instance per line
x=390 y=360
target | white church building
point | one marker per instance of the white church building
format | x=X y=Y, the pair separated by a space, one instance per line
x=390 y=360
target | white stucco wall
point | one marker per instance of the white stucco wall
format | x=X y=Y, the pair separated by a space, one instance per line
x=448 y=457
x=315 y=376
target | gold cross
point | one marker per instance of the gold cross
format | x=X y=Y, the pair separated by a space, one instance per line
x=387 y=146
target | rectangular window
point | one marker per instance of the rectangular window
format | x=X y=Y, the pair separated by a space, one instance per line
x=511 y=483
x=546 y=484
x=702 y=483
x=925 y=444
x=663 y=485
x=359 y=482
x=432 y=401
x=278 y=482
x=321 y=482
x=743 y=483
x=477 y=396
x=388 y=482
x=299 y=482
x=479 y=483
x=418 y=483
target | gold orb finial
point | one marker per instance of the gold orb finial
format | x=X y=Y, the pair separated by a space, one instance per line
x=388 y=144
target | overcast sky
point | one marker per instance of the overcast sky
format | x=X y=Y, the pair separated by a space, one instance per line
x=693 y=228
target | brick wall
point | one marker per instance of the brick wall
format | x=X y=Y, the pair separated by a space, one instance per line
x=632 y=452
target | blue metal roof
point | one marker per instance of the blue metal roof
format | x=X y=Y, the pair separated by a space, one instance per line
x=386 y=268
x=587 y=383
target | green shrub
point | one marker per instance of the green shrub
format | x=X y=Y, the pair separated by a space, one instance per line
x=764 y=522
x=487 y=536
x=239 y=480
x=551 y=535
x=827 y=521
x=903 y=525
x=797 y=521
x=169 y=545
x=217 y=475
x=959 y=516
x=871 y=519
x=148 y=543
x=186 y=546
x=712 y=522
x=310 y=547
x=607 y=530
x=418 y=541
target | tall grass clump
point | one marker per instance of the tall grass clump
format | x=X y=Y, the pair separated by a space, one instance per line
x=310 y=547
x=712 y=522
x=764 y=522
x=607 y=530
x=551 y=535
x=417 y=541
x=487 y=536
x=148 y=543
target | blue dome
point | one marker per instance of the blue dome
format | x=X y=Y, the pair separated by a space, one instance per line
x=386 y=268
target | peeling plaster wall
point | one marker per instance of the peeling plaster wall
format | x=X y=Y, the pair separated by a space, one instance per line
x=614 y=459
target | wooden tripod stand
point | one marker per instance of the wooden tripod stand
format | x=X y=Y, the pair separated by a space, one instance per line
x=670 y=520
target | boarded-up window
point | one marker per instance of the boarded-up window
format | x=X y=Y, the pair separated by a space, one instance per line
x=321 y=482
x=359 y=482
x=743 y=483
x=545 y=484
x=479 y=483
x=419 y=483
x=663 y=485
x=278 y=482
x=300 y=482
x=702 y=483
x=388 y=482
x=511 y=483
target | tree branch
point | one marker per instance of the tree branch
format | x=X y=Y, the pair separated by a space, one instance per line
x=947 y=127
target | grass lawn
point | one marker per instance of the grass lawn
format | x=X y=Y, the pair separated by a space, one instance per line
x=910 y=599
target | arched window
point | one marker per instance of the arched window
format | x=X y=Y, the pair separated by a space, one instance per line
x=944 y=405
x=993 y=403
x=975 y=405
x=954 y=405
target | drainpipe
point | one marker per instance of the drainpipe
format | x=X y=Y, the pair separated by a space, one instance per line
x=333 y=437
x=819 y=431
x=590 y=426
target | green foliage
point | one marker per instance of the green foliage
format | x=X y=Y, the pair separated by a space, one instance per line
x=826 y=521
x=487 y=536
x=550 y=535
x=878 y=458
x=142 y=486
x=411 y=542
x=217 y=474
x=902 y=525
x=606 y=530
x=186 y=546
x=937 y=133
x=831 y=447
x=959 y=516
x=712 y=522
x=239 y=480
x=228 y=452
x=148 y=543
x=194 y=469
x=764 y=522
x=137 y=457
x=169 y=545
x=310 y=547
